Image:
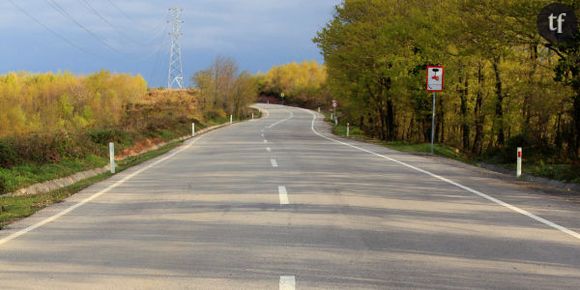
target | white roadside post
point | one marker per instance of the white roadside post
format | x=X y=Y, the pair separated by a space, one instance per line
x=347 y=129
x=231 y=119
x=112 y=156
x=252 y=116
x=435 y=84
x=318 y=109
x=193 y=129
x=519 y=169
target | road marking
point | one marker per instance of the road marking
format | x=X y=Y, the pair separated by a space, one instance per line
x=282 y=121
x=269 y=149
x=262 y=135
x=287 y=282
x=265 y=141
x=94 y=196
x=274 y=163
x=478 y=193
x=283 y=194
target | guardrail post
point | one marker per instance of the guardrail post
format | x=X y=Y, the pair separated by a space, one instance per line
x=112 y=156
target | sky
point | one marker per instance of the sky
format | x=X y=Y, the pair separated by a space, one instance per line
x=131 y=36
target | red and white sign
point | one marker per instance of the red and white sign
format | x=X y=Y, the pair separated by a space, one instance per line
x=435 y=78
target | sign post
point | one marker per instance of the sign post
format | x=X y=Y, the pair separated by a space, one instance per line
x=520 y=156
x=435 y=83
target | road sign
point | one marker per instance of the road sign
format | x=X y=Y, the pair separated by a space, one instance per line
x=435 y=78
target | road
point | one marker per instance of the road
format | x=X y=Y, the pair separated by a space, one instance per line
x=279 y=203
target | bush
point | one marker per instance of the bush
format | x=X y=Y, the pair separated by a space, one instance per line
x=103 y=137
x=3 y=186
x=215 y=114
x=8 y=157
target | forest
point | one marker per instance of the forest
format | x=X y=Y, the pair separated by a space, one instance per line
x=505 y=85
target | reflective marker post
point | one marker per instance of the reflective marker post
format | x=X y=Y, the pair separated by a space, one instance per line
x=231 y=119
x=112 y=156
x=519 y=169
x=193 y=129
x=347 y=129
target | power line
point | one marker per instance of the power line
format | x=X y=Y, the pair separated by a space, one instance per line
x=64 y=13
x=105 y=20
x=122 y=12
x=53 y=32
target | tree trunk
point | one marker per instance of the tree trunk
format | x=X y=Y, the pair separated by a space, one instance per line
x=463 y=94
x=390 y=120
x=499 y=102
x=479 y=116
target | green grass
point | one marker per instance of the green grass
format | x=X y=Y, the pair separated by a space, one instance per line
x=561 y=172
x=15 y=208
x=27 y=174
x=18 y=207
x=439 y=149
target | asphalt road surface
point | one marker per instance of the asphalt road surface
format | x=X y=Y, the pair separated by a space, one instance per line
x=279 y=203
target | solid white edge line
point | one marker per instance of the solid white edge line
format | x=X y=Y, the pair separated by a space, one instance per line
x=94 y=196
x=478 y=193
x=283 y=195
x=274 y=163
x=287 y=282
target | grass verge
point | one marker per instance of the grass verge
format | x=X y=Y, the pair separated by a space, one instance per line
x=561 y=172
x=425 y=148
x=18 y=207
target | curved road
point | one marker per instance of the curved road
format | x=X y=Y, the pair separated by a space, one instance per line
x=279 y=203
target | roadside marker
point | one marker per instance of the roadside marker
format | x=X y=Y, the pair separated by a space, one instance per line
x=112 y=157
x=193 y=129
x=520 y=156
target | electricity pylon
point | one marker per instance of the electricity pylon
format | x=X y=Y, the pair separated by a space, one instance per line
x=175 y=79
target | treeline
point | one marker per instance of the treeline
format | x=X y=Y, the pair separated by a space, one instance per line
x=505 y=85
x=32 y=103
x=303 y=84
x=224 y=90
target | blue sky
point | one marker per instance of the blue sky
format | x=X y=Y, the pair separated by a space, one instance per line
x=130 y=36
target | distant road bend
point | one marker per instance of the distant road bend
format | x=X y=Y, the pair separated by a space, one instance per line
x=280 y=203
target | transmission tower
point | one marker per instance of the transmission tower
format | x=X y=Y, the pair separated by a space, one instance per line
x=175 y=79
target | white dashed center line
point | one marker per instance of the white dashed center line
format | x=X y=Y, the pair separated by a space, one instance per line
x=269 y=149
x=287 y=282
x=283 y=194
x=274 y=163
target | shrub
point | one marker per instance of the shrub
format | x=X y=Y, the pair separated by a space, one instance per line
x=8 y=157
